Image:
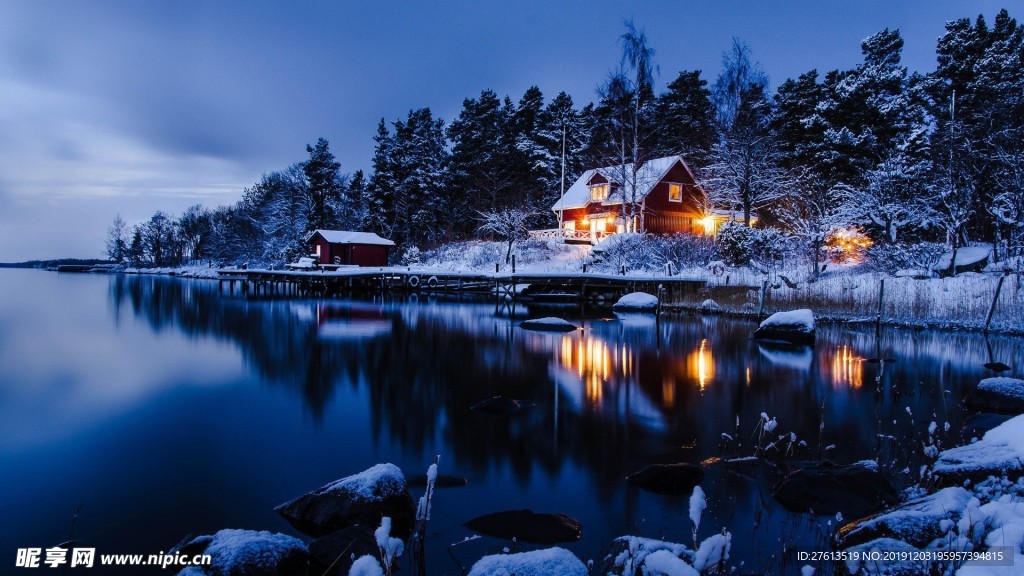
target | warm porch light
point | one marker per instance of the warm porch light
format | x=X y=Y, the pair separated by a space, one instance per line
x=708 y=223
x=848 y=245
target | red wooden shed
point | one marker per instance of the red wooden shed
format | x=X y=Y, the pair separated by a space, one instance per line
x=348 y=248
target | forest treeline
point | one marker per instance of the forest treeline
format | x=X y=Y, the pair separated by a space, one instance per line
x=904 y=157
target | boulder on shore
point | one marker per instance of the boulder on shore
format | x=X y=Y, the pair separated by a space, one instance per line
x=248 y=553
x=917 y=522
x=855 y=490
x=678 y=478
x=358 y=499
x=528 y=526
x=636 y=302
x=1001 y=395
x=793 y=327
x=1000 y=451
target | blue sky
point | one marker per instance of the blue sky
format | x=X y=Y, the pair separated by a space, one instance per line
x=130 y=107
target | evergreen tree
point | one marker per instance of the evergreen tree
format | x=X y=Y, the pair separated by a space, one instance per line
x=380 y=215
x=686 y=119
x=322 y=184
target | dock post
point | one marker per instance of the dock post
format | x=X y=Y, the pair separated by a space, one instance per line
x=513 y=263
x=881 y=301
x=764 y=296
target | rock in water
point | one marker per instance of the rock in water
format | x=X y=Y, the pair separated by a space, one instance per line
x=499 y=406
x=359 y=499
x=996 y=366
x=249 y=553
x=528 y=526
x=535 y=563
x=794 y=327
x=855 y=490
x=677 y=478
x=333 y=554
x=549 y=324
x=637 y=302
x=1001 y=395
x=917 y=522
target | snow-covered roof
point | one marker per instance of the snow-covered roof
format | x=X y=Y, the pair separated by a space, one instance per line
x=648 y=175
x=349 y=237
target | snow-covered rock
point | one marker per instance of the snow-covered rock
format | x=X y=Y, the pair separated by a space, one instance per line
x=249 y=553
x=549 y=324
x=536 y=563
x=794 y=326
x=710 y=304
x=664 y=563
x=528 y=526
x=628 y=553
x=1000 y=450
x=1001 y=395
x=637 y=302
x=917 y=522
x=362 y=498
x=968 y=258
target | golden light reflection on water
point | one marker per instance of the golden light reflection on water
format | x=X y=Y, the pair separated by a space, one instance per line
x=591 y=359
x=701 y=365
x=847 y=368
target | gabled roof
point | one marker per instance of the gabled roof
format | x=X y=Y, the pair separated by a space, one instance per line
x=648 y=176
x=348 y=237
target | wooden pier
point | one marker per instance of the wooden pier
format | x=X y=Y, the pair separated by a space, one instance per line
x=525 y=287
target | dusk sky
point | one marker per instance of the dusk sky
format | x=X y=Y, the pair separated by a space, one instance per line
x=129 y=107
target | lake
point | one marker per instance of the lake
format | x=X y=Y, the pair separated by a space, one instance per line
x=157 y=407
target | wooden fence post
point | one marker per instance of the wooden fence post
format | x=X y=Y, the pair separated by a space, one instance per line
x=992 y=308
x=764 y=296
x=881 y=300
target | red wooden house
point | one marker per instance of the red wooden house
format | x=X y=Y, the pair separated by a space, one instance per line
x=345 y=248
x=667 y=195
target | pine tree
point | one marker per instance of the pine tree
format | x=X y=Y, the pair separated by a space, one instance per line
x=380 y=214
x=322 y=184
x=686 y=119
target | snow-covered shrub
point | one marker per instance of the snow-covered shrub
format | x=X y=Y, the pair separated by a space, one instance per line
x=890 y=258
x=411 y=256
x=629 y=250
x=736 y=243
x=768 y=247
x=686 y=250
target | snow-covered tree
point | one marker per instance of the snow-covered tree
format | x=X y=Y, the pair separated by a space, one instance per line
x=686 y=119
x=322 y=183
x=510 y=224
x=894 y=195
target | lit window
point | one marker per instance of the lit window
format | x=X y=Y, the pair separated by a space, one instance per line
x=317 y=249
x=569 y=224
x=675 y=192
x=599 y=192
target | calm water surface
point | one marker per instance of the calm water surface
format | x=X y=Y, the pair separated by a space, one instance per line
x=158 y=407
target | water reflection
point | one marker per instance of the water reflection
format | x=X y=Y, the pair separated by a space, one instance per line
x=619 y=394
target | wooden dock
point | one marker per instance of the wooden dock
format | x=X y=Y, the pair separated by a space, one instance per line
x=524 y=287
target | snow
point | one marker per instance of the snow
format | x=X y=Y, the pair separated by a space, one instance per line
x=648 y=175
x=614 y=240
x=637 y=301
x=964 y=257
x=636 y=550
x=366 y=566
x=712 y=551
x=664 y=563
x=1001 y=448
x=551 y=321
x=698 y=503
x=1003 y=386
x=802 y=320
x=807 y=570
x=536 y=563
x=375 y=483
x=390 y=547
x=349 y=237
x=231 y=549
